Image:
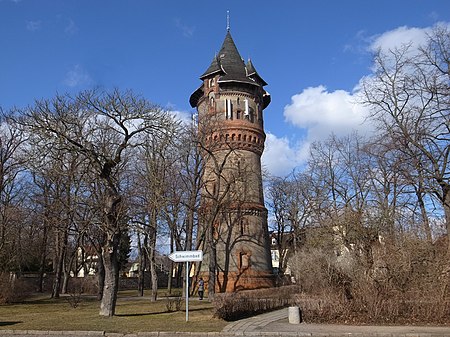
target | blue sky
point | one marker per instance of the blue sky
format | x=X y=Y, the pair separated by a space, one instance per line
x=312 y=54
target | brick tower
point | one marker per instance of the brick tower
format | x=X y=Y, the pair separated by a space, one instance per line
x=233 y=221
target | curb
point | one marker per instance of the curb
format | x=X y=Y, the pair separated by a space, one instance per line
x=28 y=333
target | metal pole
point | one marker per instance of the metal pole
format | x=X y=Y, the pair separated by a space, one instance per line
x=187 y=291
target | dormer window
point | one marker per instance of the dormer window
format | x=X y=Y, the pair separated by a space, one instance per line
x=212 y=83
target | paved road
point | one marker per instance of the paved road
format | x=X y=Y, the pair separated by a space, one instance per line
x=270 y=324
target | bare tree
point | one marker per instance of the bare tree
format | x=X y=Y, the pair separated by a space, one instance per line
x=102 y=128
x=12 y=196
x=183 y=194
x=292 y=204
x=155 y=167
x=409 y=96
x=282 y=231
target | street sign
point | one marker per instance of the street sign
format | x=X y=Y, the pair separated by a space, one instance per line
x=187 y=256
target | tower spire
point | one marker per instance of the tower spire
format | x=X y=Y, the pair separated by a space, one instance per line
x=228 y=21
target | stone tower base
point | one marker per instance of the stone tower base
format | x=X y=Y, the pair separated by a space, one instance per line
x=243 y=281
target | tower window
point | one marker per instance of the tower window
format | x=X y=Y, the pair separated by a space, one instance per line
x=246 y=109
x=228 y=109
x=244 y=260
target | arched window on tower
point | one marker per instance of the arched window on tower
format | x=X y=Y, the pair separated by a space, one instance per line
x=211 y=102
x=244 y=260
x=244 y=227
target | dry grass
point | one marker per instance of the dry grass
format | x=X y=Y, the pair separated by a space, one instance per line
x=133 y=314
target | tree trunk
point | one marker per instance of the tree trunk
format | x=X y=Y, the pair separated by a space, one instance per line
x=66 y=271
x=57 y=281
x=425 y=221
x=212 y=264
x=110 y=254
x=189 y=227
x=59 y=266
x=43 y=258
x=111 y=264
x=154 y=278
x=446 y=204
x=65 y=282
x=152 y=257
x=169 y=279
x=142 y=265
x=100 y=276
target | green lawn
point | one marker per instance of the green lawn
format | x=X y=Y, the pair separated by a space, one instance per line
x=133 y=314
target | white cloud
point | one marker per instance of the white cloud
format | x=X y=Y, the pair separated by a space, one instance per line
x=187 y=31
x=77 y=76
x=280 y=157
x=399 y=37
x=71 y=28
x=321 y=113
x=183 y=116
x=33 y=26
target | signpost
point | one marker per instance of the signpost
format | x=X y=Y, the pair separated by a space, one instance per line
x=187 y=256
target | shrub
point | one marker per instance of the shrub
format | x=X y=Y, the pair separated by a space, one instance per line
x=77 y=287
x=397 y=282
x=13 y=289
x=173 y=303
x=233 y=306
x=88 y=284
x=75 y=290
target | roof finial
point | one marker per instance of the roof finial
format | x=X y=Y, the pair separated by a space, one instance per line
x=228 y=21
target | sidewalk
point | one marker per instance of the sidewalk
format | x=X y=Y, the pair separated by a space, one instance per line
x=276 y=324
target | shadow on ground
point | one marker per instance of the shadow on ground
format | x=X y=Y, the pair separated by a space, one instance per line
x=10 y=323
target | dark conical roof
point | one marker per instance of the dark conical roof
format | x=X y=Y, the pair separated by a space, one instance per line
x=214 y=67
x=231 y=68
x=253 y=74
x=230 y=64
